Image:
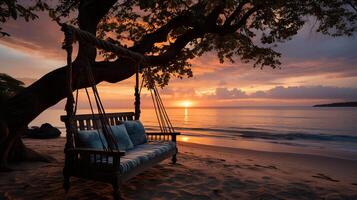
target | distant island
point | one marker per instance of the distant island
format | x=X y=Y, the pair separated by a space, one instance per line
x=340 y=104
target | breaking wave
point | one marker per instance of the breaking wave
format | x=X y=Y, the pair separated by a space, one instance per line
x=256 y=133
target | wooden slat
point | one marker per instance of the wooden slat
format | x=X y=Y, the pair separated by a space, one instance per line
x=117 y=121
x=88 y=124
x=81 y=124
x=127 y=115
x=111 y=119
x=76 y=124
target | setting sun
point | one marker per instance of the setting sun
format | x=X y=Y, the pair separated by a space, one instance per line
x=188 y=99
x=186 y=103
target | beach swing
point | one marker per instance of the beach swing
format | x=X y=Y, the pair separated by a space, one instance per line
x=111 y=147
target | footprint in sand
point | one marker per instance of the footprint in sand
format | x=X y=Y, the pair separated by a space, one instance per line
x=325 y=177
x=354 y=184
x=266 y=166
x=217 y=192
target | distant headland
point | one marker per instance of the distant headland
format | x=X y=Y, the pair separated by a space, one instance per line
x=339 y=104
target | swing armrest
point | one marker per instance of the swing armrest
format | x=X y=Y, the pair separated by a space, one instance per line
x=160 y=133
x=96 y=158
x=97 y=151
x=162 y=136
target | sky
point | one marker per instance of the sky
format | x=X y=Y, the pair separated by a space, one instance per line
x=315 y=69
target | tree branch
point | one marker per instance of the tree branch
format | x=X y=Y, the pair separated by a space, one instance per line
x=235 y=13
x=198 y=31
x=209 y=27
x=224 y=29
x=89 y=15
x=49 y=90
x=175 y=48
x=353 y=6
x=244 y=19
x=161 y=34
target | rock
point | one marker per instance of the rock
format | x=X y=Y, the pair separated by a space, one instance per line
x=5 y=196
x=46 y=131
x=4 y=131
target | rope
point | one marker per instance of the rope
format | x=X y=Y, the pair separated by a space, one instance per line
x=160 y=111
x=107 y=132
x=166 y=116
x=137 y=94
x=156 y=112
x=75 y=103
x=67 y=45
x=93 y=116
x=72 y=33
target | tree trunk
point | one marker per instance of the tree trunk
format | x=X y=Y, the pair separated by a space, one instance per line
x=20 y=110
x=44 y=93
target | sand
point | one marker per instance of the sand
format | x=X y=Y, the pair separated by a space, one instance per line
x=202 y=172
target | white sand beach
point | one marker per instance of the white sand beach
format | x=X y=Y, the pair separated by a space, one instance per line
x=202 y=172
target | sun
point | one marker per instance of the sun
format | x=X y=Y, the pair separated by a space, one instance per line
x=186 y=103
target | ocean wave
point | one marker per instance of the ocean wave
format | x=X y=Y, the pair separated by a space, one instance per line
x=254 y=133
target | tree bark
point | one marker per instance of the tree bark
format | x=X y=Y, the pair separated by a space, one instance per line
x=46 y=92
x=50 y=89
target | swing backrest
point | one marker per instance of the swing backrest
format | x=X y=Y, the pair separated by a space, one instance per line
x=90 y=122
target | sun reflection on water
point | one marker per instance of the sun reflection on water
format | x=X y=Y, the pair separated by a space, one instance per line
x=185 y=118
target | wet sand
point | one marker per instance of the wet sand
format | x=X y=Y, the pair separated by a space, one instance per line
x=202 y=172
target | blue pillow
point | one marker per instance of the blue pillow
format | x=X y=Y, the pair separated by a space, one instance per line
x=92 y=139
x=122 y=137
x=136 y=132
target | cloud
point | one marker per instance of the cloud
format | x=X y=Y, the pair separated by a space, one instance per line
x=41 y=37
x=18 y=63
x=309 y=44
x=341 y=72
x=224 y=93
x=175 y=93
x=308 y=59
x=307 y=54
x=310 y=92
x=296 y=92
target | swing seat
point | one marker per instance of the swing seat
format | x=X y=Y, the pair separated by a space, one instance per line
x=115 y=167
x=140 y=155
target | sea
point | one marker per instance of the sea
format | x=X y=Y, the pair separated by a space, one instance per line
x=330 y=132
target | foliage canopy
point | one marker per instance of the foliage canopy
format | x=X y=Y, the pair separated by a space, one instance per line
x=9 y=87
x=172 y=32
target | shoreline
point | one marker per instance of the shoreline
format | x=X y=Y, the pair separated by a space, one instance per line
x=274 y=148
x=326 y=132
x=329 y=165
x=202 y=172
x=257 y=145
x=251 y=151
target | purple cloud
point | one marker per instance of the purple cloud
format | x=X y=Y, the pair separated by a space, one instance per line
x=309 y=92
x=297 y=92
x=224 y=93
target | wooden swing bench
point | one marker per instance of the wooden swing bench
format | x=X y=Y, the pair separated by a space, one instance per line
x=115 y=167
x=111 y=147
